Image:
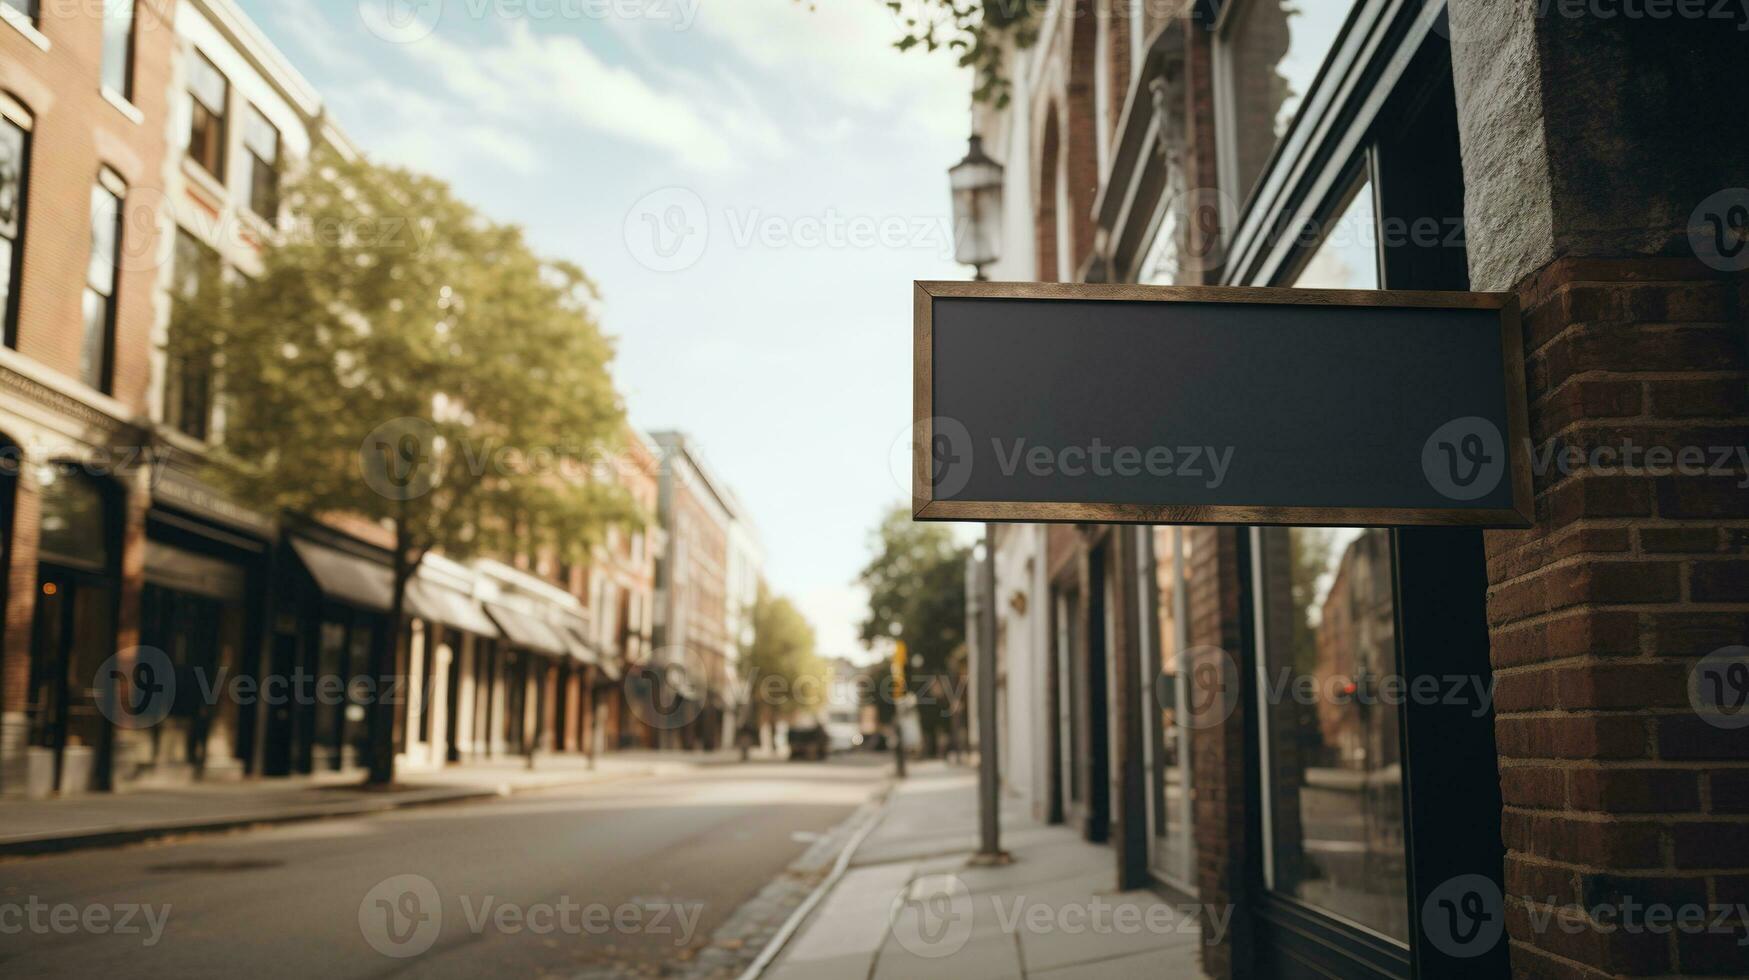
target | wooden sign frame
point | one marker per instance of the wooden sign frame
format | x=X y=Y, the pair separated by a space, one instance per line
x=925 y=508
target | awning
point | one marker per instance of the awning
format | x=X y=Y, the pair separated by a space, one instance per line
x=442 y=604
x=200 y=575
x=579 y=647
x=347 y=578
x=527 y=631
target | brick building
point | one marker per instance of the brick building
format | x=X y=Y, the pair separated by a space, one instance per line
x=142 y=151
x=693 y=645
x=1538 y=149
x=83 y=117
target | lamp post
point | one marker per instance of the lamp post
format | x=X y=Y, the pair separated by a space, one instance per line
x=977 y=208
x=977 y=242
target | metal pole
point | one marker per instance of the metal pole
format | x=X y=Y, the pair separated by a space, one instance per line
x=990 y=830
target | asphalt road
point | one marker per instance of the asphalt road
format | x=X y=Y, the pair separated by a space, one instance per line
x=607 y=880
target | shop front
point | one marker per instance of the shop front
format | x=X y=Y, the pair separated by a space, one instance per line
x=78 y=595
x=203 y=606
x=334 y=597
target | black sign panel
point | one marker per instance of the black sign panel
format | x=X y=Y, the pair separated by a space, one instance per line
x=1205 y=405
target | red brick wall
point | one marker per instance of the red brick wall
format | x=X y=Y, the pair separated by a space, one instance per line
x=1613 y=784
x=76 y=132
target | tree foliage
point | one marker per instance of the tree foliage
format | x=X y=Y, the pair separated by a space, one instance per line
x=979 y=32
x=916 y=586
x=780 y=663
x=401 y=358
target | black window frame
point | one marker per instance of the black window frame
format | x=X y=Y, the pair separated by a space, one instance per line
x=1451 y=797
x=9 y=306
x=104 y=379
x=219 y=118
x=261 y=170
x=192 y=418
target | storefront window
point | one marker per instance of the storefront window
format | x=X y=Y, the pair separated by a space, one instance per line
x=1270 y=54
x=75 y=530
x=1333 y=768
x=1168 y=714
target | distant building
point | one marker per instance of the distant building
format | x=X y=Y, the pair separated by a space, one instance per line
x=694 y=648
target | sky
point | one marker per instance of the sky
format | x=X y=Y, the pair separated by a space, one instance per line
x=753 y=184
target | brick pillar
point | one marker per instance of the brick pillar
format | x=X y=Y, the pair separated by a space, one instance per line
x=1219 y=761
x=1614 y=786
x=1589 y=146
x=130 y=749
x=15 y=654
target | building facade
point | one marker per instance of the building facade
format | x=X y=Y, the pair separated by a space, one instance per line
x=83 y=116
x=1561 y=761
x=155 y=631
x=694 y=649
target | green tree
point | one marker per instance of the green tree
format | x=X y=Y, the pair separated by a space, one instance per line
x=977 y=31
x=783 y=672
x=916 y=586
x=402 y=358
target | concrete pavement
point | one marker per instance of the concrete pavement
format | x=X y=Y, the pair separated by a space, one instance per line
x=910 y=906
x=108 y=819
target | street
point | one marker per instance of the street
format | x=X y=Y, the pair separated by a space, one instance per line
x=616 y=879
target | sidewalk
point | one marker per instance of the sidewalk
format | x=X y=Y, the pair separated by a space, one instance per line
x=910 y=906
x=108 y=819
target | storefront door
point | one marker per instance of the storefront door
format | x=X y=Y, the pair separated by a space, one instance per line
x=73 y=633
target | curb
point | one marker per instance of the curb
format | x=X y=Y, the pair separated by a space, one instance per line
x=792 y=925
x=123 y=836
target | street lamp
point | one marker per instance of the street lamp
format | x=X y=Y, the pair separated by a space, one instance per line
x=977 y=208
x=977 y=242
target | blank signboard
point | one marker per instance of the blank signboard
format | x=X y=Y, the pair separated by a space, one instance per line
x=1205 y=405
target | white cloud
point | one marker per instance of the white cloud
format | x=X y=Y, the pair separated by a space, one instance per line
x=537 y=79
x=845 y=47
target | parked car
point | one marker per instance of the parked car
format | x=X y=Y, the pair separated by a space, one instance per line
x=808 y=743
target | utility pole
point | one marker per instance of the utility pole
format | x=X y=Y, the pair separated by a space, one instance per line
x=990 y=826
x=899 y=695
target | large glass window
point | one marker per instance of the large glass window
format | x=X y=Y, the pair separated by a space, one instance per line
x=1168 y=713
x=208 y=95
x=118 y=47
x=1333 y=767
x=100 y=287
x=14 y=157
x=261 y=140
x=189 y=365
x=1270 y=51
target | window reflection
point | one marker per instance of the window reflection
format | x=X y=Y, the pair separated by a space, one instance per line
x=1347 y=253
x=1272 y=50
x=1334 y=765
